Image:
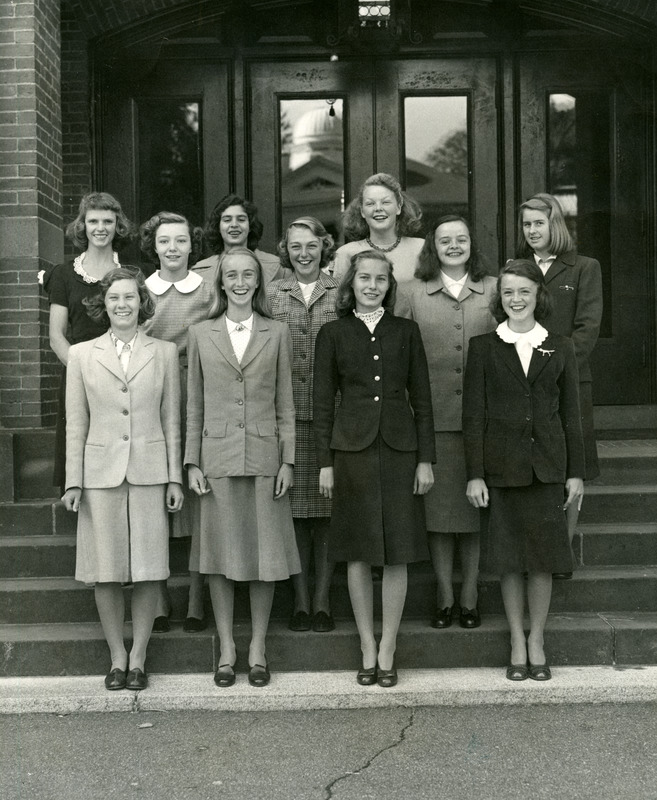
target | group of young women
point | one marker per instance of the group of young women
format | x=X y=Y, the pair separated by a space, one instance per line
x=318 y=389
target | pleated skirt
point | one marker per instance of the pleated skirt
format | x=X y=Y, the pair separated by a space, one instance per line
x=123 y=534
x=524 y=529
x=376 y=517
x=245 y=534
x=446 y=506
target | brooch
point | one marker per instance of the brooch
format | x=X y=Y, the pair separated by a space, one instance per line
x=543 y=352
x=567 y=288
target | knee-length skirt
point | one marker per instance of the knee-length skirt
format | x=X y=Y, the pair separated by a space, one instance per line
x=376 y=517
x=446 y=506
x=305 y=499
x=123 y=534
x=245 y=534
x=524 y=529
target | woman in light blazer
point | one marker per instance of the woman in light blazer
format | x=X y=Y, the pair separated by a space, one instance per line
x=240 y=454
x=123 y=464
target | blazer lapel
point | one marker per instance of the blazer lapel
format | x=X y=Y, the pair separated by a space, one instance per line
x=510 y=357
x=221 y=340
x=140 y=356
x=540 y=359
x=106 y=355
x=260 y=335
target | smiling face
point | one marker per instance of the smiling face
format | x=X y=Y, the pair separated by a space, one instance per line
x=100 y=227
x=370 y=284
x=173 y=245
x=380 y=209
x=453 y=246
x=122 y=304
x=239 y=279
x=305 y=252
x=536 y=229
x=234 y=227
x=518 y=296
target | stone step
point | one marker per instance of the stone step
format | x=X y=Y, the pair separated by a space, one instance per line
x=616 y=544
x=627 y=462
x=630 y=503
x=62 y=599
x=79 y=649
x=36 y=518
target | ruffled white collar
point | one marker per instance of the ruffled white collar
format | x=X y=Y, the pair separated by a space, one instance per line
x=82 y=272
x=535 y=337
x=188 y=284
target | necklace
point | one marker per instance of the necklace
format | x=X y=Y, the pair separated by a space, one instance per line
x=383 y=249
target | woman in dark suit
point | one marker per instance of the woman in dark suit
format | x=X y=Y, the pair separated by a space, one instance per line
x=524 y=454
x=375 y=453
x=575 y=286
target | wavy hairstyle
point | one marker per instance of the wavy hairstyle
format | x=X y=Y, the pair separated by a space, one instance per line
x=317 y=229
x=95 y=305
x=346 y=300
x=100 y=201
x=409 y=221
x=560 y=239
x=212 y=226
x=148 y=235
x=428 y=262
x=524 y=268
x=259 y=303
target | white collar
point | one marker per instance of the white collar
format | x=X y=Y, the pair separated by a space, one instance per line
x=448 y=281
x=535 y=337
x=547 y=260
x=118 y=343
x=188 y=284
x=232 y=326
x=82 y=272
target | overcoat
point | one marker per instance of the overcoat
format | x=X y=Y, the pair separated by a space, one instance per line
x=122 y=427
x=240 y=417
x=575 y=283
x=373 y=372
x=516 y=425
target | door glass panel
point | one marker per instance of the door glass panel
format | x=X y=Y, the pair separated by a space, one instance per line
x=578 y=145
x=170 y=159
x=312 y=160
x=437 y=156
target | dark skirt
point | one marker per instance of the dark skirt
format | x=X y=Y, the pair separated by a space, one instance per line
x=524 y=530
x=590 y=448
x=376 y=517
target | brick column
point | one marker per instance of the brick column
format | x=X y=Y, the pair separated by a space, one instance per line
x=31 y=236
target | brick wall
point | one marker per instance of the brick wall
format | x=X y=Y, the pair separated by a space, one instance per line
x=30 y=205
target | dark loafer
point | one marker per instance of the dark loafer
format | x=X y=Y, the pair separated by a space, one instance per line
x=300 y=621
x=115 y=679
x=136 y=679
x=195 y=625
x=469 y=618
x=539 y=672
x=259 y=675
x=161 y=625
x=323 y=622
x=517 y=672
x=225 y=675
x=366 y=677
x=387 y=677
x=443 y=618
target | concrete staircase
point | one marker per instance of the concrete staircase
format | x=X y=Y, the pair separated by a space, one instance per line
x=606 y=615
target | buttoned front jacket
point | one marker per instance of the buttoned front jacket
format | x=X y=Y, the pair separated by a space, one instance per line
x=575 y=283
x=240 y=417
x=447 y=325
x=122 y=426
x=516 y=425
x=287 y=304
x=373 y=372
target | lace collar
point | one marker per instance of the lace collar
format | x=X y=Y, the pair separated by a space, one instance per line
x=82 y=272
x=535 y=337
x=372 y=317
x=158 y=285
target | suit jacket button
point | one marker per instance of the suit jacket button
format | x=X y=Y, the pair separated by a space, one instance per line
x=124 y=388
x=241 y=425
x=240 y=378
x=125 y=437
x=125 y=412
x=458 y=391
x=529 y=419
x=240 y=402
x=205 y=432
x=376 y=358
x=459 y=347
x=373 y=339
x=376 y=399
x=377 y=377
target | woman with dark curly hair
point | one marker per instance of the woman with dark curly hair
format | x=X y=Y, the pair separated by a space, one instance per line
x=375 y=451
x=449 y=299
x=306 y=300
x=100 y=228
x=123 y=464
x=232 y=225
x=385 y=219
x=181 y=298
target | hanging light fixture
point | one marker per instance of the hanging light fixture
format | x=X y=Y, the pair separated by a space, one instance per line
x=374 y=13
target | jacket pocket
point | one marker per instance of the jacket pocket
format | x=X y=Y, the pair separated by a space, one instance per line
x=267 y=428
x=215 y=430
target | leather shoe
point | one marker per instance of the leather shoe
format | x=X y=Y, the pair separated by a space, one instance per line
x=469 y=618
x=366 y=677
x=323 y=622
x=225 y=675
x=259 y=675
x=443 y=618
x=115 y=679
x=136 y=679
x=194 y=624
x=387 y=677
x=562 y=576
x=539 y=672
x=517 y=672
x=161 y=625
x=300 y=621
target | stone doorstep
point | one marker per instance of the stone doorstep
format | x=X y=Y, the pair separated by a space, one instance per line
x=294 y=691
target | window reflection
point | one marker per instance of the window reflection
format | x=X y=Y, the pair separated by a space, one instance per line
x=170 y=159
x=437 y=157
x=312 y=160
